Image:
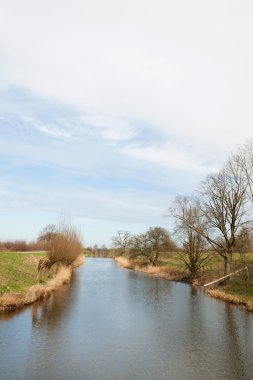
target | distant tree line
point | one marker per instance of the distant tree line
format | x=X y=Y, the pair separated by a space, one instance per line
x=148 y=245
x=21 y=246
x=98 y=251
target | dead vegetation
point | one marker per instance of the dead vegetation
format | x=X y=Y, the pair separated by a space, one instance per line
x=166 y=273
x=221 y=295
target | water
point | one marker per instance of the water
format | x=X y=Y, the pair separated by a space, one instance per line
x=115 y=324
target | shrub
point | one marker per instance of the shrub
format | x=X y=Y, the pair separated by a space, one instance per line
x=65 y=245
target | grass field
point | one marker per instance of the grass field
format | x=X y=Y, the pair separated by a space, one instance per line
x=17 y=271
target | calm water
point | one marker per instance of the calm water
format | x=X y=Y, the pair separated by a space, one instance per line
x=110 y=323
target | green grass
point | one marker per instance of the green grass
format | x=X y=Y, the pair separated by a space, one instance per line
x=17 y=271
x=237 y=286
x=240 y=288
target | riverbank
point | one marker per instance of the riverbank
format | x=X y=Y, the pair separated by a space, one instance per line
x=162 y=272
x=17 y=279
x=238 y=291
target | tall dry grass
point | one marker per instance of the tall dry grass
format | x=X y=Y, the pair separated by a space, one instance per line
x=167 y=273
x=78 y=261
x=221 y=295
x=36 y=292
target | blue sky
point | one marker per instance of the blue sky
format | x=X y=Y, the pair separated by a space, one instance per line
x=109 y=110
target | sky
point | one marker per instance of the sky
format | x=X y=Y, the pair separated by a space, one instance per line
x=110 y=109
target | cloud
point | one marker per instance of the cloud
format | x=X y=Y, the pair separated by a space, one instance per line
x=183 y=68
x=110 y=128
x=52 y=129
x=171 y=156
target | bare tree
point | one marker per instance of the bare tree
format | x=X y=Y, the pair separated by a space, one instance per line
x=140 y=247
x=151 y=243
x=48 y=233
x=244 y=241
x=121 y=240
x=160 y=241
x=243 y=157
x=223 y=197
x=189 y=221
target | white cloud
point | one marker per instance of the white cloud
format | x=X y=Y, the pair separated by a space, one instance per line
x=171 y=156
x=52 y=130
x=110 y=128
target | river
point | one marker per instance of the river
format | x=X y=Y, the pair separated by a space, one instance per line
x=114 y=324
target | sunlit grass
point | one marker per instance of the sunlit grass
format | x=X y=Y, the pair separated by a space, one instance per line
x=17 y=271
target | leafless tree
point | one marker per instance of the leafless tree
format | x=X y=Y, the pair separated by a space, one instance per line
x=244 y=241
x=140 y=247
x=151 y=244
x=48 y=233
x=223 y=199
x=190 y=226
x=160 y=241
x=243 y=157
x=121 y=240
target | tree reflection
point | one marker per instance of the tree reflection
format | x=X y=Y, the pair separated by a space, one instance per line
x=50 y=313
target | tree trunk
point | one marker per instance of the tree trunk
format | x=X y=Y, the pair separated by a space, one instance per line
x=155 y=258
x=228 y=263
x=193 y=274
x=227 y=266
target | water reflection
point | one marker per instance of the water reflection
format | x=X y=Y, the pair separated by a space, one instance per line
x=51 y=313
x=114 y=324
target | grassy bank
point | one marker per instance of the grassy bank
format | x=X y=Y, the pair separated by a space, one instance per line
x=17 y=271
x=17 y=279
x=238 y=290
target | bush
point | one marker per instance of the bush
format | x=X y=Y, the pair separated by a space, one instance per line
x=65 y=245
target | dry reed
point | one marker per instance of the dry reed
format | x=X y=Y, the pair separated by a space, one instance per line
x=221 y=295
x=78 y=261
x=166 y=273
